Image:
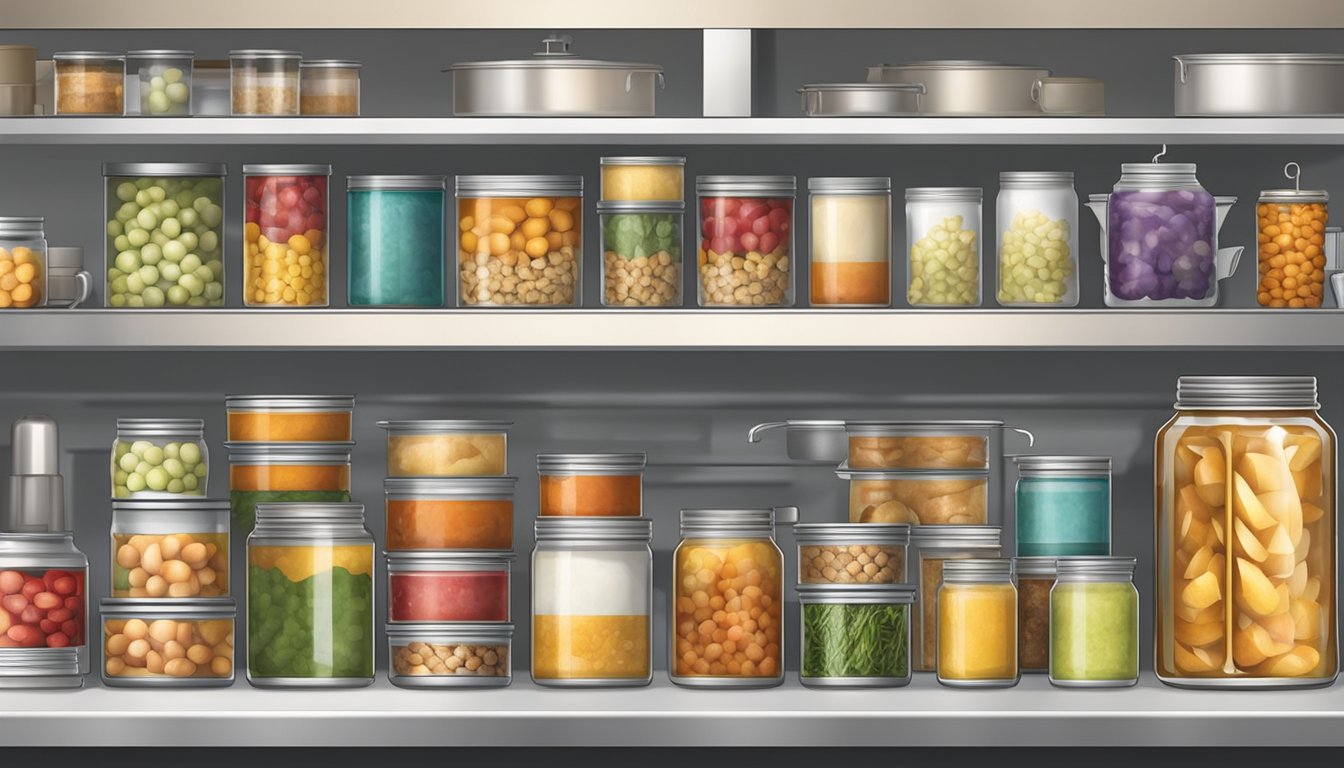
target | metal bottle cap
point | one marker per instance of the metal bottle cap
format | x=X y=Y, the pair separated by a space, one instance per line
x=36 y=488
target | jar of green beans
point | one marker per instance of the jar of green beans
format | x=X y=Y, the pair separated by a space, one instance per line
x=856 y=636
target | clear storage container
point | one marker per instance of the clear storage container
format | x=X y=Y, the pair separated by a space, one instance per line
x=44 y=601
x=1094 y=623
x=855 y=636
x=458 y=655
x=641 y=253
x=23 y=262
x=1290 y=237
x=262 y=473
x=463 y=585
x=746 y=240
x=977 y=624
x=942 y=231
x=170 y=548
x=449 y=512
x=290 y=418
x=1037 y=217
x=1162 y=235
x=1035 y=579
x=917 y=497
x=592 y=602
x=394 y=240
x=168 y=643
x=329 y=87
x=165 y=81
x=847 y=553
x=930 y=547
x=264 y=82
x=447 y=447
x=90 y=83
x=660 y=179
x=1063 y=505
x=159 y=458
x=851 y=241
x=591 y=484
x=285 y=235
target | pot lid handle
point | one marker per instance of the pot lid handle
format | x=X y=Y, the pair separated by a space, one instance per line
x=556 y=45
x=1031 y=439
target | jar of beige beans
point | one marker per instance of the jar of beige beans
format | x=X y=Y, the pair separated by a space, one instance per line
x=746 y=240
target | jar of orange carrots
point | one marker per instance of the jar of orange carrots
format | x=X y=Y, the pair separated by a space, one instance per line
x=591 y=484
x=1290 y=232
x=276 y=472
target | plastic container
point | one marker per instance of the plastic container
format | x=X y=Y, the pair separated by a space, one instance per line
x=447 y=447
x=170 y=548
x=329 y=87
x=264 y=82
x=165 y=81
x=1037 y=217
x=930 y=547
x=440 y=586
x=1162 y=238
x=1063 y=505
x=290 y=418
x=660 y=179
x=450 y=512
x=267 y=473
x=1290 y=235
x=847 y=553
x=921 y=497
x=855 y=636
x=168 y=643
x=285 y=235
x=435 y=655
x=1094 y=623
x=395 y=240
x=851 y=241
x=746 y=240
x=90 y=83
x=1035 y=579
x=641 y=253
x=591 y=484
x=977 y=624
x=592 y=603
x=943 y=240
x=23 y=262
x=159 y=458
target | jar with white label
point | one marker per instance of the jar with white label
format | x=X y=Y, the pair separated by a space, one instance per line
x=942 y=230
x=1037 y=217
x=851 y=241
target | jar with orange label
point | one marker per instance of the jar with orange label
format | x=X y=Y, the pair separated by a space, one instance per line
x=1290 y=232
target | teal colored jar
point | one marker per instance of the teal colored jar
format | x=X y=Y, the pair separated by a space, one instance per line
x=1063 y=506
x=1094 y=623
x=395 y=240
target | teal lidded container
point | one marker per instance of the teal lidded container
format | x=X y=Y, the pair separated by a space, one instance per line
x=1063 y=505
x=395 y=240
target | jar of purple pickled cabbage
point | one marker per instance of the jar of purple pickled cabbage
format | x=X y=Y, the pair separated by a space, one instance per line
x=1162 y=238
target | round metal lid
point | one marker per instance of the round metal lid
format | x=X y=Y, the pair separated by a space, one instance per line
x=522 y=185
x=1096 y=565
x=88 y=56
x=849 y=184
x=159 y=427
x=1158 y=170
x=456 y=560
x=180 y=608
x=851 y=533
x=972 y=569
x=161 y=53
x=917 y=88
x=286 y=169
x=289 y=453
x=40 y=550
x=165 y=169
x=746 y=186
x=728 y=518
x=593 y=529
x=447 y=426
x=461 y=630
x=289 y=402
x=1035 y=179
x=956 y=64
x=490 y=487
x=65 y=257
x=857 y=594
x=264 y=53
x=1034 y=566
x=643 y=160
x=1296 y=195
x=640 y=206
x=919 y=427
x=590 y=463
x=945 y=194
x=1248 y=393
x=1063 y=465
x=1260 y=58
x=330 y=64
x=955 y=535
x=22 y=226
x=358 y=183
x=555 y=54
x=845 y=473
x=185 y=506
x=301 y=512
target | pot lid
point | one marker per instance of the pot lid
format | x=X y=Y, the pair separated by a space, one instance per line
x=555 y=54
x=1297 y=194
x=871 y=87
x=957 y=64
x=1259 y=58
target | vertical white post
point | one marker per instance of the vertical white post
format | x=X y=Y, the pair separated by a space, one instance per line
x=727 y=72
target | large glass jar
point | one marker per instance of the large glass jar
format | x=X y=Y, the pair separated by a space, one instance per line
x=592 y=602
x=855 y=636
x=23 y=262
x=165 y=234
x=170 y=548
x=449 y=512
x=329 y=87
x=591 y=484
x=931 y=547
x=1037 y=215
x=746 y=240
x=394 y=240
x=649 y=179
x=1162 y=238
x=641 y=253
x=280 y=472
x=1094 y=623
x=942 y=234
x=310 y=597
x=1290 y=235
x=1035 y=579
x=290 y=418
x=157 y=458
x=90 y=83
x=264 y=82
x=851 y=241
x=1063 y=505
x=44 y=602
x=977 y=624
x=285 y=235
x=1246 y=536
x=164 y=78
x=850 y=553
x=168 y=643
x=727 y=601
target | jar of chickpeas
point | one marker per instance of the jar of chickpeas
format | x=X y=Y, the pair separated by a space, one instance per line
x=520 y=240
x=1290 y=231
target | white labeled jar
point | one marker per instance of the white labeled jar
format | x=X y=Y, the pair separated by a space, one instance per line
x=1037 y=218
x=851 y=241
x=942 y=231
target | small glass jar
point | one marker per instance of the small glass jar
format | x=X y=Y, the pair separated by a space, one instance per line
x=210 y=89
x=290 y=418
x=736 y=547
x=432 y=587
x=285 y=235
x=457 y=655
x=168 y=643
x=942 y=231
x=1035 y=579
x=159 y=458
x=851 y=241
x=165 y=235
x=1094 y=623
x=746 y=240
x=520 y=241
x=641 y=253
x=394 y=240
x=926 y=497
x=329 y=87
x=1290 y=237
x=449 y=512
x=931 y=547
x=90 y=83
x=855 y=636
x=23 y=262
x=447 y=447
x=264 y=82
x=1063 y=505
x=1037 y=215
x=40 y=669
x=44 y=600
x=165 y=81
x=285 y=472
x=170 y=548
x=977 y=624
x=592 y=603
x=310 y=597
x=660 y=179
x=848 y=553
x=591 y=484
x=1162 y=238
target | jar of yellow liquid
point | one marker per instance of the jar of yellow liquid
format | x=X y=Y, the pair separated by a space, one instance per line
x=977 y=624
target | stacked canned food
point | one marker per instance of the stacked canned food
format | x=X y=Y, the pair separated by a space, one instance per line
x=641 y=215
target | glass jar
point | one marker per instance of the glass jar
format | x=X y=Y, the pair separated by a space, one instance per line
x=310 y=597
x=158 y=458
x=90 y=83
x=947 y=444
x=855 y=636
x=285 y=236
x=165 y=234
x=1290 y=233
x=592 y=603
x=262 y=473
x=1037 y=216
x=846 y=553
x=431 y=587
x=165 y=81
x=264 y=82
x=1063 y=505
x=660 y=179
x=176 y=548
x=23 y=262
x=436 y=655
x=447 y=447
x=1094 y=623
x=1035 y=579
x=919 y=497
x=931 y=546
x=1246 y=536
x=520 y=241
x=449 y=512
x=210 y=90
x=395 y=240
x=977 y=624
x=40 y=668
x=746 y=240
x=851 y=241
x=290 y=418
x=44 y=601
x=942 y=232
x=737 y=547
x=1162 y=237
x=168 y=643
x=329 y=87
x=641 y=253
x=591 y=484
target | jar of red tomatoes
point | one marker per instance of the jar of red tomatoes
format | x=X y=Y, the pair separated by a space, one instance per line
x=285 y=236
x=437 y=586
x=43 y=600
x=746 y=240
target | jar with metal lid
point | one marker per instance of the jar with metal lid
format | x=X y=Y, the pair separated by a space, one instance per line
x=1290 y=233
x=449 y=512
x=851 y=241
x=592 y=602
x=68 y=283
x=170 y=548
x=164 y=78
x=931 y=546
x=285 y=472
x=23 y=262
x=746 y=240
x=285 y=235
x=520 y=241
x=447 y=447
x=329 y=87
x=1037 y=216
x=438 y=586
x=1094 y=623
x=290 y=418
x=1063 y=505
x=591 y=484
x=310 y=597
x=651 y=179
x=165 y=234
x=1246 y=536
x=728 y=558
x=977 y=624
x=1162 y=238
x=149 y=643
x=641 y=253
x=942 y=232
x=159 y=458
x=850 y=553
x=456 y=655
x=90 y=83
x=40 y=668
x=855 y=636
x=394 y=240
x=1035 y=579
x=43 y=593
x=264 y=82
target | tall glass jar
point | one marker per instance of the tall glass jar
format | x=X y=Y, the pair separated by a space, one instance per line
x=1063 y=505
x=977 y=625
x=285 y=235
x=1290 y=237
x=1162 y=238
x=394 y=240
x=1037 y=216
x=310 y=597
x=159 y=458
x=1094 y=623
x=727 y=601
x=1246 y=536
x=164 y=78
x=1035 y=579
x=746 y=240
x=23 y=262
x=592 y=602
x=932 y=546
x=942 y=232
x=851 y=241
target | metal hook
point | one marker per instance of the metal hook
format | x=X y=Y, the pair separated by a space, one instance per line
x=1295 y=176
x=1160 y=154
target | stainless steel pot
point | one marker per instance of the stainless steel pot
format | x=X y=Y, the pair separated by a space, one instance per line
x=816 y=440
x=1265 y=84
x=555 y=82
x=862 y=99
x=967 y=87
